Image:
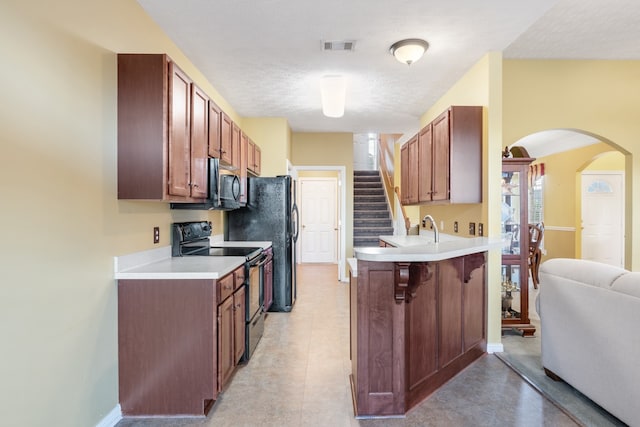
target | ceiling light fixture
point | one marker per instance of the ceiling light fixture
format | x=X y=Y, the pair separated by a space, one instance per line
x=409 y=51
x=332 y=91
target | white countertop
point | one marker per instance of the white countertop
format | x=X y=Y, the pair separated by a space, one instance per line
x=158 y=263
x=422 y=248
x=188 y=267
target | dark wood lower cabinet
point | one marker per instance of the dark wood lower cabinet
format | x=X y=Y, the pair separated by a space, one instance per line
x=179 y=342
x=413 y=327
x=167 y=346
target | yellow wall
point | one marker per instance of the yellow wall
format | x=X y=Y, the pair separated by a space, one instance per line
x=609 y=161
x=328 y=149
x=63 y=223
x=562 y=198
x=597 y=97
x=272 y=134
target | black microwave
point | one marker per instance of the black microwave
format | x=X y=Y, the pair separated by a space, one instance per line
x=224 y=190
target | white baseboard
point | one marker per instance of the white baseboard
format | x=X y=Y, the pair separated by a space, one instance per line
x=495 y=348
x=112 y=417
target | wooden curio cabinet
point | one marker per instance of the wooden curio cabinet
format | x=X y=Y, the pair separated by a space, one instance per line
x=515 y=246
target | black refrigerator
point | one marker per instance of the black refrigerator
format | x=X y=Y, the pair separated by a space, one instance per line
x=271 y=214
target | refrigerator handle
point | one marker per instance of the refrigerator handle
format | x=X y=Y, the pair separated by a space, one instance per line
x=295 y=216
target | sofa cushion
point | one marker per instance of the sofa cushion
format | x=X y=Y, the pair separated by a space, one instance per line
x=628 y=284
x=587 y=272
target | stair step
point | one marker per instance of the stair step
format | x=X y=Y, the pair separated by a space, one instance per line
x=372 y=231
x=365 y=173
x=368 y=191
x=380 y=213
x=369 y=198
x=367 y=184
x=372 y=223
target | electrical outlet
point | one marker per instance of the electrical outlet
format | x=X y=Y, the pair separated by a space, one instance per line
x=441 y=225
x=455 y=226
x=156 y=234
x=472 y=228
x=480 y=229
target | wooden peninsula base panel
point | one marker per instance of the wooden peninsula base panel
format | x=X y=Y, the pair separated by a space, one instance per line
x=413 y=327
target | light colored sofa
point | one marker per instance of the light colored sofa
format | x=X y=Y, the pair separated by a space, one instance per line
x=590 y=321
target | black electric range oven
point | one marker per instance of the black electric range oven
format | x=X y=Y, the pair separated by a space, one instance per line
x=192 y=239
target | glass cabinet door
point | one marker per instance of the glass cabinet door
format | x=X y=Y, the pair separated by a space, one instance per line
x=515 y=246
x=510 y=212
x=511 y=301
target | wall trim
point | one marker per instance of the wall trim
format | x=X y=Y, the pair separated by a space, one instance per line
x=558 y=228
x=495 y=347
x=112 y=418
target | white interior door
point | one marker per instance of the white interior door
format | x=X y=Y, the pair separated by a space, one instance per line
x=603 y=217
x=363 y=152
x=318 y=220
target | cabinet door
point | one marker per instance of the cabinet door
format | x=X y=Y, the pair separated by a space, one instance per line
x=257 y=156
x=251 y=156
x=413 y=170
x=239 y=323
x=441 y=139
x=215 y=140
x=236 y=157
x=199 y=142
x=422 y=321
x=425 y=164
x=244 y=153
x=225 y=342
x=404 y=174
x=450 y=298
x=226 y=130
x=179 y=131
x=473 y=296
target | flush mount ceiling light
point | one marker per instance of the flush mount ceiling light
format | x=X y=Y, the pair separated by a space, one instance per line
x=332 y=91
x=409 y=51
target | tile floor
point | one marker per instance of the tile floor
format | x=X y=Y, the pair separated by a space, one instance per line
x=299 y=376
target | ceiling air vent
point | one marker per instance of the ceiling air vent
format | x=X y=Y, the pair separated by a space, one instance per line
x=339 y=45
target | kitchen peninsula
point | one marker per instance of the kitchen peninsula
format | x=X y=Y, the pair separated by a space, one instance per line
x=418 y=317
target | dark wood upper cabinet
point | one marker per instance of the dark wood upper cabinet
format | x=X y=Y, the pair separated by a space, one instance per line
x=425 y=163
x=155 y=150
x=441 y=166
x=179 y=131
x=226 y=129
x=199 y=142
x=215 y=140
x=242 y=165
x=447 y=166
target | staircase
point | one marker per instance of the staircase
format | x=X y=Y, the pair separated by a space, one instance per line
x=371 y=216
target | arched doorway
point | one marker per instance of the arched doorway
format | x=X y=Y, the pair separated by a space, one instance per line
x=565 y=154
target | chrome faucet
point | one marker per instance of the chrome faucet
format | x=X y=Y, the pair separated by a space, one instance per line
x=436 y=233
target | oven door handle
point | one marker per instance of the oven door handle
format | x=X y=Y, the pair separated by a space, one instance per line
x=262 y=262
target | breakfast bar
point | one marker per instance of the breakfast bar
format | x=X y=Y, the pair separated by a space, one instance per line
x=418 y=317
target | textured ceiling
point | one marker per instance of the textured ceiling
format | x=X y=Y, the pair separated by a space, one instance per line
x=265 y=56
